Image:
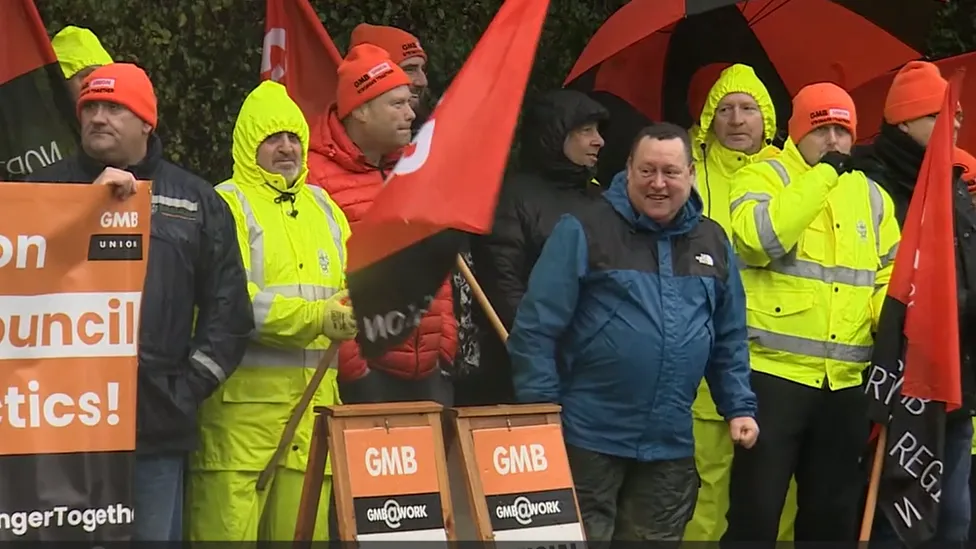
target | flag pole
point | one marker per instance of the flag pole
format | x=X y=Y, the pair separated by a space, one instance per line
x=479 y=294
x=288 y=434
x=871 y=502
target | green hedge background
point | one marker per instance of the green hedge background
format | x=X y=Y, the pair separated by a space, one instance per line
x=204 y=56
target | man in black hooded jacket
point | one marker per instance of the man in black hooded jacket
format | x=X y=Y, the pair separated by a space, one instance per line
x=894 y=161
x=560 y=143
x=196 y=313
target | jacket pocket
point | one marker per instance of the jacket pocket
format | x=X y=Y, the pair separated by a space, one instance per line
x=814 y=242
x=774 y=308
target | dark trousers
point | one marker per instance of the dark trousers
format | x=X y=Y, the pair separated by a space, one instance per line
x=816 y=434
x=378 y=386
x=628 y=500
x=972 y=498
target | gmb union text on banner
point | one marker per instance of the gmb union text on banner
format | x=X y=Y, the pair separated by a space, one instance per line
x=72 y=264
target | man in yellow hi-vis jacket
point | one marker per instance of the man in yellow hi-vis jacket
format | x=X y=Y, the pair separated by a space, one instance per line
x=292 y=239
x=736 y=128
x=817 y=242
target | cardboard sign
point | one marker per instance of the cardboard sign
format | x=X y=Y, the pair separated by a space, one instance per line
x=72 y=266
x=394 y=484
x=527 y=483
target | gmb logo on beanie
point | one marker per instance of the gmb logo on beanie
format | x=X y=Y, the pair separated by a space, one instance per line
x=366 y=73
x=124 y=84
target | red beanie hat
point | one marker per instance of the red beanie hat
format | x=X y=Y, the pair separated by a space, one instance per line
x=124 y=84
x=917 y=90
x=400 y=44
x=821 y=104
x=366 y=73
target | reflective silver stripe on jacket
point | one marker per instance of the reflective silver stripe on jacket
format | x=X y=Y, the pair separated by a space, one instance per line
x=178 y=203
x=810 y=347
x=308 y=292
x=258 y=355
x=261 y=355
x=764 y=222
x=255 y=235
x=788 y=264
x=334 y=229
x=201 y=360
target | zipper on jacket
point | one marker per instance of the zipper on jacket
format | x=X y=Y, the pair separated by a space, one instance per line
x=708 y=186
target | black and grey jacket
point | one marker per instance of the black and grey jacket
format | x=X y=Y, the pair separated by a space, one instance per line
x=194 y=268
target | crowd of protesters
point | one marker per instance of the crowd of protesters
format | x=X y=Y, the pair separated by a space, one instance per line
x=704 y=314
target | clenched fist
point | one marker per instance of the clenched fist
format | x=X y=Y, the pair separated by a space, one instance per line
x=744 y=431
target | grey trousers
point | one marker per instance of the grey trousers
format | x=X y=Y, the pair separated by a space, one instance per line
x=624 y=499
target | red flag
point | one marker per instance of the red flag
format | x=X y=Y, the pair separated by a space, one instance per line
x=37 y=121
x=924 y=277
x=300 y=54
x=450 y=175
x=446 y=183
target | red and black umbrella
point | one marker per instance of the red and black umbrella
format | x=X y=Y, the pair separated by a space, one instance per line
x=649 y=50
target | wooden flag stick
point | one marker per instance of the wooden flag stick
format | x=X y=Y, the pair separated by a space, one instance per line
x=479 y=294
x=296 y=415
x=871 y=502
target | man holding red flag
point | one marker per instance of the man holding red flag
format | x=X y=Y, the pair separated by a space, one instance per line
x=354 y=145
x=912 y=160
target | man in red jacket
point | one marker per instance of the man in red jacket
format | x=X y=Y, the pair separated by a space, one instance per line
x=353 y=146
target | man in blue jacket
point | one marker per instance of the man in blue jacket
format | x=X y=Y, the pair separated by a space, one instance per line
x=633 y=301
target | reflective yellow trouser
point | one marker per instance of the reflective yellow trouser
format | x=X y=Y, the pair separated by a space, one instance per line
x=713 y=456
x=226 y=506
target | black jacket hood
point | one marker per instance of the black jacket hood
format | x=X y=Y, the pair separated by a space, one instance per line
x=545 y=125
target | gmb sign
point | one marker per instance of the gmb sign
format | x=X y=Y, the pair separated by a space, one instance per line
x=394 y=484
x=527 y=484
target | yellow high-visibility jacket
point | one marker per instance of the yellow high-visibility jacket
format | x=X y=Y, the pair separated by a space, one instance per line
x=715 y=165
x=293 y=245
x=817 y=252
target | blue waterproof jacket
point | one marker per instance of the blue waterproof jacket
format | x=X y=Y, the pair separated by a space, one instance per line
x=621 y=320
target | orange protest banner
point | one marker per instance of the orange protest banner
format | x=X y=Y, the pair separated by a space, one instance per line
x=72 y=265
x=518 y=476
x=388 y=473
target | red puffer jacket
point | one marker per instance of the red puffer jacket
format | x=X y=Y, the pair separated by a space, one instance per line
x=337 y=165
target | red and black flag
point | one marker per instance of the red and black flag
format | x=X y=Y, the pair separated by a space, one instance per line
x=446 y=183
x=37 y=121
x=299 y=54
x=914 y=378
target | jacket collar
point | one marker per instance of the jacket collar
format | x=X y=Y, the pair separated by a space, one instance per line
x=332 y=141
x=724 y=162
x=688 y=216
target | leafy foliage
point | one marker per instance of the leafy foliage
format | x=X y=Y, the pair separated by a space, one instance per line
x=204 y=55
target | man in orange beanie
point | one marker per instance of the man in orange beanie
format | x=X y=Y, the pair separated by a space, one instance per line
x=404 y=49
x=354 y=145
x=818 y=240
x=196 y=312
x=894 y=161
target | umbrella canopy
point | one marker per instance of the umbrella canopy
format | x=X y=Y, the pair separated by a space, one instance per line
x=650 y=50
x=870 y=100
